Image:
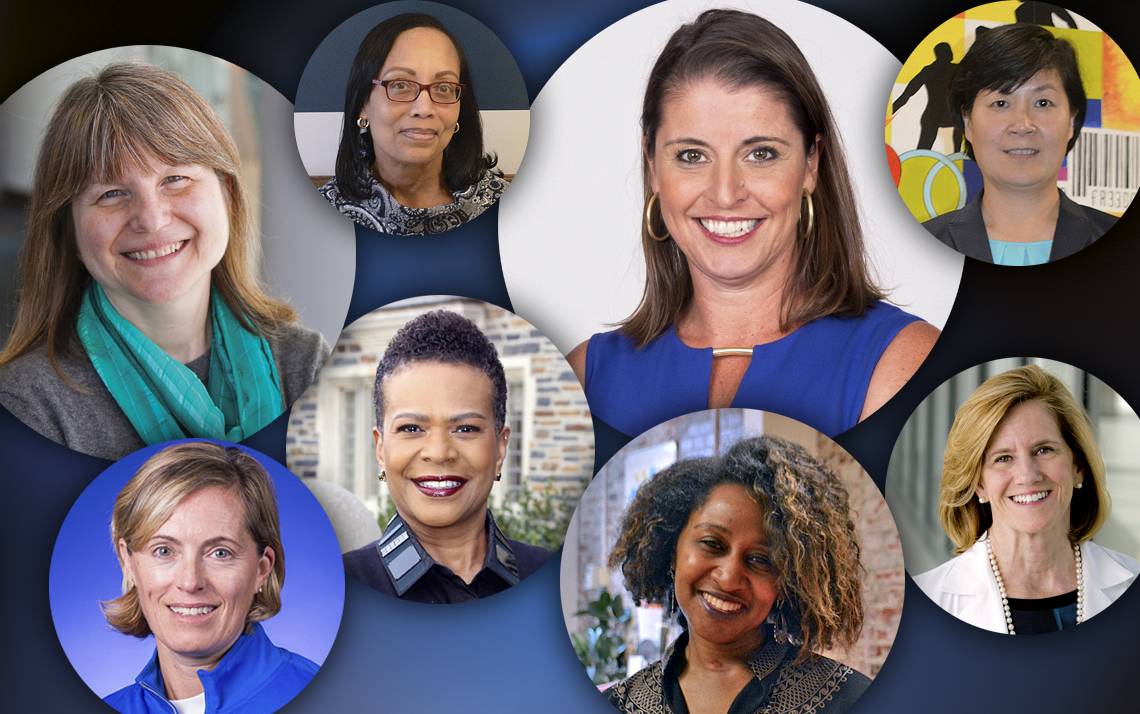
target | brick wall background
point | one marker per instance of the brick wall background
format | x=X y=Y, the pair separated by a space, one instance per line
x=598 y=520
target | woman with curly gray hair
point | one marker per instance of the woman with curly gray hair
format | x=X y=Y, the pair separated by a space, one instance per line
x=757 y=550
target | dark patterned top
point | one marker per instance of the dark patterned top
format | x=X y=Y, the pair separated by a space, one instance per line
x=814 y=685
x=381 y=212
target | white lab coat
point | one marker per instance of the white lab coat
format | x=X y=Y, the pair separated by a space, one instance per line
x=965 y=586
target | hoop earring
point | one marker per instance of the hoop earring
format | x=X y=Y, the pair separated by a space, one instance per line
x=649 y=220
x=456 y=128
x=362 y=123
x=810 y=214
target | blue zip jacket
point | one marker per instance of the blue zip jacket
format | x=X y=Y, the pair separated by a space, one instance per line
x=254 y=676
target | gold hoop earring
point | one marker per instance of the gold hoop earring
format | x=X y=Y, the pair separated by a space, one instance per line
x=362 y=123
x=660 y=238
x=810 y=214
x=456 y=128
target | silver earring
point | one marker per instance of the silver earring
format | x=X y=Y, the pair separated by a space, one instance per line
x=362 y=122
x=1080 y=484
x=779 y=623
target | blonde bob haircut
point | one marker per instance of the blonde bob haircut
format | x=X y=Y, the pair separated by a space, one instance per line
x=104 y=126
x=962 y=517
x=155 y=492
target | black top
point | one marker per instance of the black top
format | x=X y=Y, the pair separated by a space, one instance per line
x=1047 y=614
x=964 y=230
x=398 y=565
x=780 y=684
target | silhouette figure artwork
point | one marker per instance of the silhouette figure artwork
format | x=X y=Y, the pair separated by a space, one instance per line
x=936 y=77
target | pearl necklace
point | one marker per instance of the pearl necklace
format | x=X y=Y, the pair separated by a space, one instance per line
x=1005 y=600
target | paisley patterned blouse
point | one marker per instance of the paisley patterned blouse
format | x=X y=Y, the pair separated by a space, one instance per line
x=381 y=212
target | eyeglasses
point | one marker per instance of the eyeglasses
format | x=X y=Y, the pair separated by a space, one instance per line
x=407 y=90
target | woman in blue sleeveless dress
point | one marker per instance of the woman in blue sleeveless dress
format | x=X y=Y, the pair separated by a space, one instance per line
x=757 y=290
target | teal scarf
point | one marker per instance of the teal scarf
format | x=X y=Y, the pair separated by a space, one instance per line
x=163 y=398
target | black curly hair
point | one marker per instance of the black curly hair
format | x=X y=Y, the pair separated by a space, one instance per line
x=449 y=338
x=811 y=537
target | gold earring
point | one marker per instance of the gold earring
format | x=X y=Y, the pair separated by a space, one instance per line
x=649 y=220
x=810 y=214
x=456 y=128
x=362 y=122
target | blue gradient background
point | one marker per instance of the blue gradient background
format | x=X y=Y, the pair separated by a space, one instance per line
x=85 y=570
x=510 y=653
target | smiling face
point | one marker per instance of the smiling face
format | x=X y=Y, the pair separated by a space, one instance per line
x=197 y=575
x=152 y=236
x=1020 y=137
x=730 y=171
x=414 y=133
x=723 y=577
x=1029 y=473
x=438 y=444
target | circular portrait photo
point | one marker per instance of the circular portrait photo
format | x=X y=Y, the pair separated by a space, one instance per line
x=412 y=118
x=1013 y=132
x=736 y=226
x=172 y=275
x=449 y=441
x=168 y=581
x=1016 y=535
x=735 y=558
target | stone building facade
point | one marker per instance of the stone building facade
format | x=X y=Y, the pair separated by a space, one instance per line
x=552 y=437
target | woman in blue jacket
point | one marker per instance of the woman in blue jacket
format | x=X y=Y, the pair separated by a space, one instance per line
x=196 y=531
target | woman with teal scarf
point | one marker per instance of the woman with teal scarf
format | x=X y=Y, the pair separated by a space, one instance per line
x=140 y=318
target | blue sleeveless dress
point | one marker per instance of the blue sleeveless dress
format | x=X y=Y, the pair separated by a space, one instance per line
x=818 y=374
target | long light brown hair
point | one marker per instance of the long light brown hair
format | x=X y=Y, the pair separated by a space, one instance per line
x=155 y=491
x=830 y=275
x=103 y=127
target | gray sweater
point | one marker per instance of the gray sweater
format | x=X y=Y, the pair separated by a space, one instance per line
x=84 y=416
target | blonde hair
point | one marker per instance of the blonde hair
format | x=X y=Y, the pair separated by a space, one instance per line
x=104 y=126
x=156 y=490
x=965 y=519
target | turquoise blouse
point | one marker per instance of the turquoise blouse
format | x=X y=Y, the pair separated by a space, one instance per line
x=1011 y=253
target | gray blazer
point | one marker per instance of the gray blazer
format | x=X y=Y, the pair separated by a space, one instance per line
x=965 y=231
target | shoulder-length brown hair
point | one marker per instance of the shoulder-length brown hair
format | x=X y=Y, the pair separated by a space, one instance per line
x=104 y=126
x=830 y=275
x=962 y=517
x=811 y=537
x=156 y=490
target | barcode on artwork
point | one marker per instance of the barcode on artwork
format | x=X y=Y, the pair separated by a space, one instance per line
x=1104 y=169
x=1109 y=200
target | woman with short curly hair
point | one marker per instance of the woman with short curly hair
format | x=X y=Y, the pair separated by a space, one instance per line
x=757 y=550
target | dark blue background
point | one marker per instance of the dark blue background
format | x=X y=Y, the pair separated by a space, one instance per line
x=511 y=653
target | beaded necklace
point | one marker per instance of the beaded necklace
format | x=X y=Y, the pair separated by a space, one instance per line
x=1005 y=599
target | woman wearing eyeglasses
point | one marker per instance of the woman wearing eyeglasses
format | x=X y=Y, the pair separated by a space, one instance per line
x=411 y=158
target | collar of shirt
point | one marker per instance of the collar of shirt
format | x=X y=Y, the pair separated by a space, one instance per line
x=410 y=567
x=753 y=697
x=241 y=672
